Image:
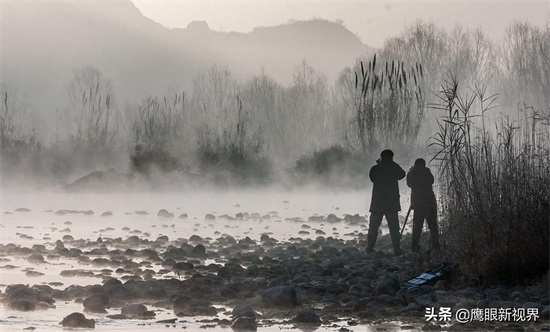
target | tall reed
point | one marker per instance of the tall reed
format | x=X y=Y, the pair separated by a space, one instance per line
x=389 y=106
x=495 y=186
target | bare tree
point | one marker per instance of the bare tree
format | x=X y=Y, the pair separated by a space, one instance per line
x=90 y=107
x=214 y=91
x=15 y=127
x=524 y=60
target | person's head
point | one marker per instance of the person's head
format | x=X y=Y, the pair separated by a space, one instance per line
x=420 y=162
x=386 y=155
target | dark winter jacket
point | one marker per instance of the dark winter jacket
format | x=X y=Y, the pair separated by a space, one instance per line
x=420 y=180
x=385 y=192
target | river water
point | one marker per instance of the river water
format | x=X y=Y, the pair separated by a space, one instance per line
x=32 y=217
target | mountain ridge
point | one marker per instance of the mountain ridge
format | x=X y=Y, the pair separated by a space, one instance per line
x=44 y=42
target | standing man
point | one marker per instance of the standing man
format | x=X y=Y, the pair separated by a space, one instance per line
x=420 y=180
x=385 y=200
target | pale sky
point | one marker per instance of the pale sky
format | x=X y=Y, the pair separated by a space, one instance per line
x=372 y=21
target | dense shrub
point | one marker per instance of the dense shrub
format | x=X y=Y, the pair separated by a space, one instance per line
x=235 y=152
x=144 y=161
x=334 y=165
x=323 y=162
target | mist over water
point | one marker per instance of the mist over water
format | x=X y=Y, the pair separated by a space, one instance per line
x=127 y=148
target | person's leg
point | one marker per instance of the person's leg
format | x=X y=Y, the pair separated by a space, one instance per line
x=393 y=225
x=431 y=220
x=418 y=223
x=374 y=224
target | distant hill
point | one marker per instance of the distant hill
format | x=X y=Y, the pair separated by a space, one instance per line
x=43 y=42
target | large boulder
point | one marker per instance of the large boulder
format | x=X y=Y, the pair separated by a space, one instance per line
x=386 y=285
x=244 y=318
x=165 y=214
x=22 y=304
x=241 y=323
x=198 y=251
x=76 y=319
x=307 y=316
x=136 y=310
x=280 y=296
x=96 y=303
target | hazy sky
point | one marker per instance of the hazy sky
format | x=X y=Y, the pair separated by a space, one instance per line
x=373 y=21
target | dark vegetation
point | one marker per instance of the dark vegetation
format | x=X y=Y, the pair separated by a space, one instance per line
x=488 y=106
x=495 y=187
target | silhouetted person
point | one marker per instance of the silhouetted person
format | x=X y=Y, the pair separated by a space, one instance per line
x=385 y=199
x=423 y=201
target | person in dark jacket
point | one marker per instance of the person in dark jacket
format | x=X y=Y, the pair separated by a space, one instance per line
x=385 y=200
x=423 y=202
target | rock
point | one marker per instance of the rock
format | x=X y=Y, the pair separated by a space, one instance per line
x=244 y=318
x=336 y=263
x=545 y=313
x=118 y=316
x=278 y=282
x=361 y=304
x=333 y=218
x=121 y=292
x=442 y=285
x=413 y=293
x=244 y=310
x=209 y=217
x=67 y=238
x=280 y=296
x=39 y=248
x=386 y=285
x=307 y=316
x=107 y=214
x=195 y=238
x=183 y=216
x=181 y=302
x=36 y=258
x=136 y=310
x=241 y=323
x=530 y=305
x=165 y=214
x=110 y=283
x=198 y=308
x=198 y=251
x=224 y=273
x=182 y=266
x=243 y=286
x=77 y=319
x=260 y=281
x=22 y=304
x=96 y=303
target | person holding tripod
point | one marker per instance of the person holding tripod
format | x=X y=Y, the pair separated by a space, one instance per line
x=385 y=200
x=423 y=202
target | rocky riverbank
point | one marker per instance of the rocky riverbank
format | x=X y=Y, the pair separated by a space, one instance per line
x=247 y=283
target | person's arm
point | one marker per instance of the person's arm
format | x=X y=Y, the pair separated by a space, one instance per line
x=399 y=172
x=373 y=174
x=410 y=179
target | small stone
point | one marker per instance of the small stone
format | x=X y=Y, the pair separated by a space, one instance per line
x=165 y=214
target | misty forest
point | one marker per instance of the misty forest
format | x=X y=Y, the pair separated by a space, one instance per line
x=477 y=109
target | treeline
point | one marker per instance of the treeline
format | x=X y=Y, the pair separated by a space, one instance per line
x=259 y=131
x=479 y=110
